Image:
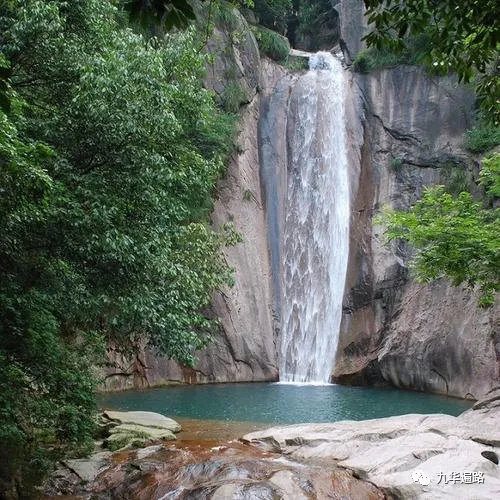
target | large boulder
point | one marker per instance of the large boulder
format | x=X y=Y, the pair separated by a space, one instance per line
x=143 y=419
x=133 y=429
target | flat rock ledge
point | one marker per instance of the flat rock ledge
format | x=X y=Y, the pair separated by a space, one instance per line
x=133 y=429
x=408 y=456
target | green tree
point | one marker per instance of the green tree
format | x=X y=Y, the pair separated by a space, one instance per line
x=110 y=149
x=455 y=237
x=274 y=14
x=461 y=37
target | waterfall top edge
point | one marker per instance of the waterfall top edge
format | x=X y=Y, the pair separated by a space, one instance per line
x=322 y=61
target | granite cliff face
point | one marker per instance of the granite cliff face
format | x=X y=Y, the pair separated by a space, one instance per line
x=433 y=337
x=405 y=131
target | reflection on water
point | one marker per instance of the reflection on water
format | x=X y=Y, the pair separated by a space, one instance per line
x=281 y=404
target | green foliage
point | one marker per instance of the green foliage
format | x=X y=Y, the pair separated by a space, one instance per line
x=224 y=15
x=274 y=14
x=384 y=56
x=396 y=163
x=295 y=63
x=168 y=14
x=233 y=97
x=482 y=137
x=490 y=175
x=363 y=63
x=248 y=195
x=454 y=237
x=110 y=149
x=461 y=38
x=313 y=25
x=272 y=44
x=456 y=178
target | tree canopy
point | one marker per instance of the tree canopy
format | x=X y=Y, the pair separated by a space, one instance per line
x=110 y=149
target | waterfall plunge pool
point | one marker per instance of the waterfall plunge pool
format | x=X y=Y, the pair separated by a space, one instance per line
x=269 y=403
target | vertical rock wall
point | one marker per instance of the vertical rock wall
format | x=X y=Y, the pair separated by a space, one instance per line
x=433 y=337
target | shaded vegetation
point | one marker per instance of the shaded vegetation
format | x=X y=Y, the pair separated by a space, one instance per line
x=314 y=25
x=274 y=14
x=373 y=58
x=482 y=137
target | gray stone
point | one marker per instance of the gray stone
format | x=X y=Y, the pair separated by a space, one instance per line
x=87 y=469
x=236 y=60
x=352 y=26
x=388 y=451
x=143 y=419
x=433 y=337
x=289 y=489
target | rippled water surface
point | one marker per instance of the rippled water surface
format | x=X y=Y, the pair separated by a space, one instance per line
x=280 y=403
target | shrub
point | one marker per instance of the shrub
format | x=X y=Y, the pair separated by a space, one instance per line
x=375 y=58
x=396 y=163
x=482 y=137
x=233 y=97
x=455 y=178
x=225 y=15
x=274 y=13
x=363 y=62
x=294 y=63
x=272 y=44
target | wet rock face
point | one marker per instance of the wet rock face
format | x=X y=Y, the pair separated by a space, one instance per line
x=432 y=337
x=203 y=471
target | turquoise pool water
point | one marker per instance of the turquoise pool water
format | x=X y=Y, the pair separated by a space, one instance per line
x=281 y=404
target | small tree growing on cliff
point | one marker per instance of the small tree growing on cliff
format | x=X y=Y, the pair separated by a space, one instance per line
x=458 y=238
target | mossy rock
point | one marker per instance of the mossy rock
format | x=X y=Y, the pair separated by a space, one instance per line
x=143 y=432
x=122 y=440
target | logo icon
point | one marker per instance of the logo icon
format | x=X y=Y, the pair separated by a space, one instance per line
x=419 y=477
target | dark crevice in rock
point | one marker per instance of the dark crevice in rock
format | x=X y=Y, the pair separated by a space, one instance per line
x=395 y=134
x=443 y=378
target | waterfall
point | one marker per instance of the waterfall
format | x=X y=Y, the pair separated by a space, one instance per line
x=314 y=229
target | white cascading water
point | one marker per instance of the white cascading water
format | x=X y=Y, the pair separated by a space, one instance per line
x=316 y=227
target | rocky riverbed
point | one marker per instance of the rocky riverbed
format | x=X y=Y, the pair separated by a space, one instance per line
x=409 y=456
